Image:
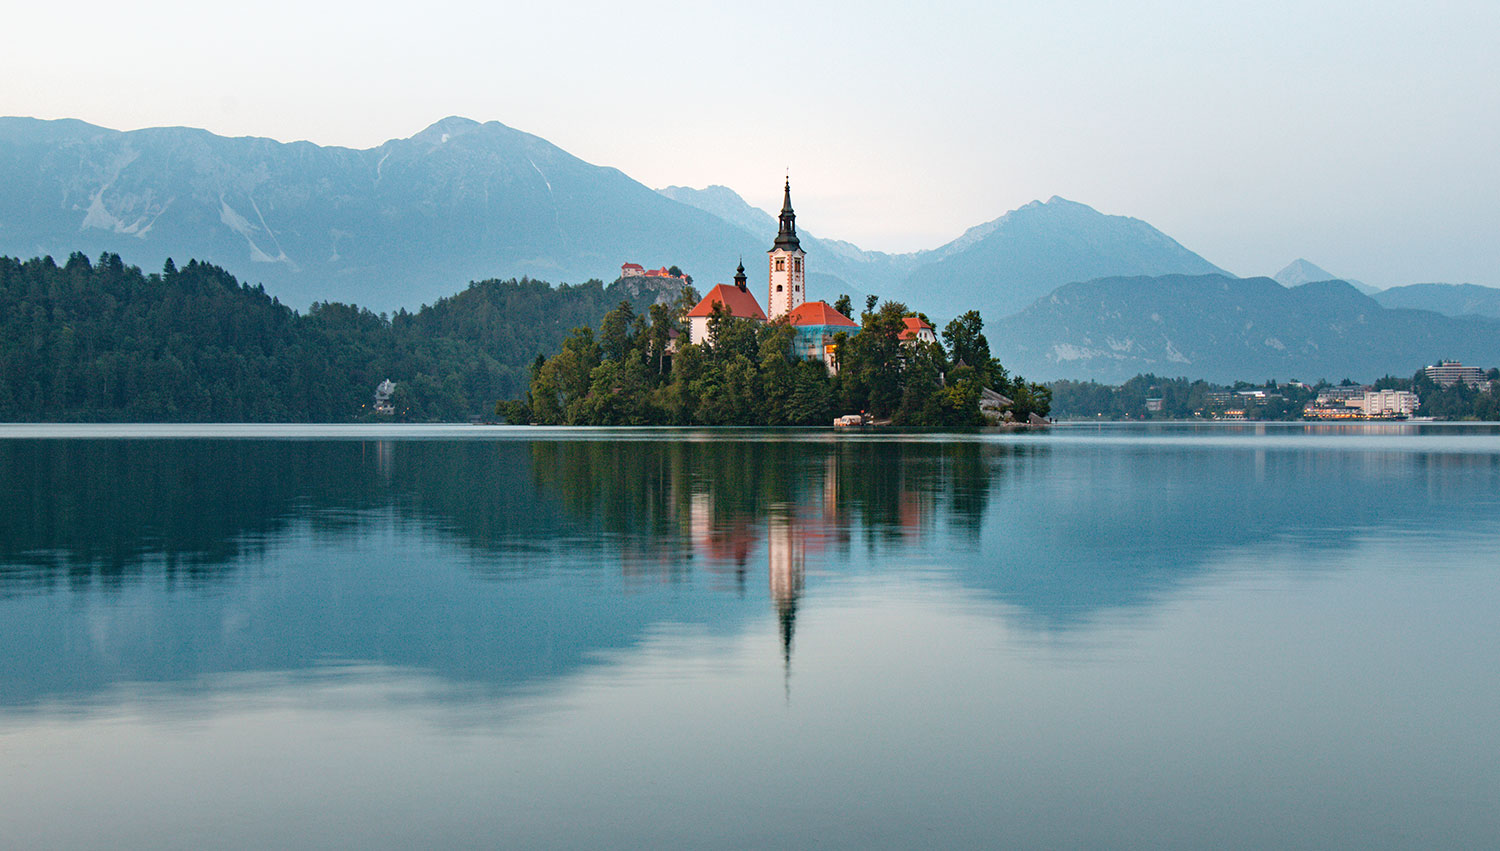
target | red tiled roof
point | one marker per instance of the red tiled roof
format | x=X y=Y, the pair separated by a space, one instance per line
x=819 y=313
x=634 y=267
x=913 y=325
x=740 y=303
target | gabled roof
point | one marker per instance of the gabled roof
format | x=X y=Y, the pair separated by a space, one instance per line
x=819 y=313
x=913 y=325
x=740 y=303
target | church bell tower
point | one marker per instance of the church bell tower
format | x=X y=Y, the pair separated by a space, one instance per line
x=788 y=285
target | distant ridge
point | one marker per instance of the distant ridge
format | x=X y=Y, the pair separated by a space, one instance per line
x=397 y=225
x=414 y=219
x=1226 y=329
x=1004 y=265
x=1448 y=299
x=1300 y=271
x=998 y=267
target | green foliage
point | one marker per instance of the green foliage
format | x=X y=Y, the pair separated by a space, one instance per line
x=746 y=375
x=1180 y=399
x=965 y=340
x=1458 y=401
x=101 y=341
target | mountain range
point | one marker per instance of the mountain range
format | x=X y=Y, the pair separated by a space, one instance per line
x=1226 y=329
x=414 y=219
x=398 y=225
x=1067 y=291
x=1449 y=299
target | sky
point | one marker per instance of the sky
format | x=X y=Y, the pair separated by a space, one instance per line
x=1359 y=135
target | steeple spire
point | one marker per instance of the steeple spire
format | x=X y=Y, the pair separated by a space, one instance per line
x=786 y=237
x=739 y=275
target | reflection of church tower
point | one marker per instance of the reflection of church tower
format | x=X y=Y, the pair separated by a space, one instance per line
x=788 y=556
x=788 y=288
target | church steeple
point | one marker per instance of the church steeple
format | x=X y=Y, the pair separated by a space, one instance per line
x=786 y=237
x=788 y=287
x=739 y=276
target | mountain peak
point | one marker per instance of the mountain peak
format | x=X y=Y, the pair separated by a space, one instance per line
x=1300 y=271
x=1059 y=202
x=447 y=128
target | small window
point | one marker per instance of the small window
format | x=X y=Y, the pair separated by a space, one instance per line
x=780 y=265
x=797 y=264
x=778 y=287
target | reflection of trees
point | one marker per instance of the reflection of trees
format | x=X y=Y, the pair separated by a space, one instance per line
x=108 y=510
x=683 y=488
x=1082 y=527
x=713 y=503
x=102 y=510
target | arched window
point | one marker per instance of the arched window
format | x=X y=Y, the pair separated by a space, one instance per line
x=780 y=264
x=778 y=287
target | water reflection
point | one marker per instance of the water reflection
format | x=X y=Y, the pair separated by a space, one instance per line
x=1256 y=637
x=509 y=562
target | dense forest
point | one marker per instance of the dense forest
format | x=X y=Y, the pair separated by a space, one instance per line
x=92 y=341
x=746 y=374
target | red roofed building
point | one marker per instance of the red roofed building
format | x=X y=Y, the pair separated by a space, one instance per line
x=816 y=323
x=636 y=270
x=819 y=313
x=736 y=299
x=916 y=331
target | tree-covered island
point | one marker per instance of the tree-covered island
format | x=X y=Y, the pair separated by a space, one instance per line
x=722 y=360
x=640 y=370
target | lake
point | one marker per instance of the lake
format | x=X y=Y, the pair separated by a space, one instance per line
x=1104 y=636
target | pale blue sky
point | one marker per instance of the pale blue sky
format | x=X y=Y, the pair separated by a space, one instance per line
x=1360 y=135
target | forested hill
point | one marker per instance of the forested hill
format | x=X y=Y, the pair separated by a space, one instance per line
x=102 y=341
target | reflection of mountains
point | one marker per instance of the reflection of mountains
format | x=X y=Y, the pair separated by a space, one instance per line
x=163 y=561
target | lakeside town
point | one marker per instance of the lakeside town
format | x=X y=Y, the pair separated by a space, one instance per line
x=1446 y=390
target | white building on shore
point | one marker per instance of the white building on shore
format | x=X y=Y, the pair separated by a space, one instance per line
x=1389 y=403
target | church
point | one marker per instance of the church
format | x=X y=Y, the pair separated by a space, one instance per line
x=786 y=296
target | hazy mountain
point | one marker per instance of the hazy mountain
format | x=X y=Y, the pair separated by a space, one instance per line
x=415 y=219
x=1002 y=266
x=1224 y=329
x=834 y=266
x=401 y=224
x=1449 y=299
x=1299 y=272
x=727 y=205
x=998 y=267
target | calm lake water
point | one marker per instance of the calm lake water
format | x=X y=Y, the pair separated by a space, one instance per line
x=366 y=637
